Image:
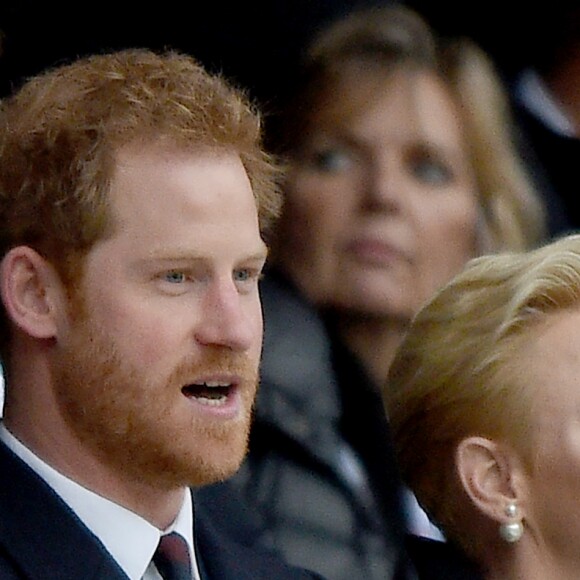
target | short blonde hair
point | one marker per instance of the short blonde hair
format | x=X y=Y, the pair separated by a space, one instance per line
x=460 y=371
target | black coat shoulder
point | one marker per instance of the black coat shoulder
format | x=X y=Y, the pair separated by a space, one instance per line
x=437 y=560
x=224 y=558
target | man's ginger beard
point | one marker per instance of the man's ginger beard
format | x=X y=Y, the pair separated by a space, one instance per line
x=137 y=424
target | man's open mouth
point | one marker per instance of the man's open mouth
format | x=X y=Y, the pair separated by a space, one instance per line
x=208 y=393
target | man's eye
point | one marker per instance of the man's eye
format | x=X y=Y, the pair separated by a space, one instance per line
x=243 y=275
x=174 y=277
x=247 y=278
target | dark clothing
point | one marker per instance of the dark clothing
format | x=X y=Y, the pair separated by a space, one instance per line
x=553 y=161
x=42 y=539
x=435 y=560
x=365 y=427
x=320 y=472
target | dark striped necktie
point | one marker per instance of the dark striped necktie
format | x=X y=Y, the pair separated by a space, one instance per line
x=172 y=558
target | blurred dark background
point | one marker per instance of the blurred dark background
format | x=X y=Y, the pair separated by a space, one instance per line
x=256 y=43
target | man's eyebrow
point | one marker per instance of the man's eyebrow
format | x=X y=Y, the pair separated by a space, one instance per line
x=258 y=256
x=183 y=255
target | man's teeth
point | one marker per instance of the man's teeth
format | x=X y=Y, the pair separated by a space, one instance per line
x=213 y=402
x=210 y=393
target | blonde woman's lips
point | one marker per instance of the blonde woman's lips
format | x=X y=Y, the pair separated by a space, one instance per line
x=375 y=252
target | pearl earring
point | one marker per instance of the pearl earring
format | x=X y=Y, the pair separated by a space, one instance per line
x=511 y=510
x=511 y=532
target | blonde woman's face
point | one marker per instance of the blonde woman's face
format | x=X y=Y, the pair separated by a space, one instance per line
x=551 y=363
x=381 y=198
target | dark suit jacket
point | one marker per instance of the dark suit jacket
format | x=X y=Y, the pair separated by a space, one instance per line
x=42 y=539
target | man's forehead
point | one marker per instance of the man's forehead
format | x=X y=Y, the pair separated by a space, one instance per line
x=165 y=150
x=163 y=195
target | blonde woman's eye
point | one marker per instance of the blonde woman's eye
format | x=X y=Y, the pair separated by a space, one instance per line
x=331 y=160
x=431 y=172
x=430 y=169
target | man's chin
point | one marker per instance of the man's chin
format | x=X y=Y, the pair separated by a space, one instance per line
x=214 y=470
x=219 y=460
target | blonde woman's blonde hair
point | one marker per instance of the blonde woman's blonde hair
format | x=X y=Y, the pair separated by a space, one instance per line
x=514 y=216
x=395 y=38
x=460 y=370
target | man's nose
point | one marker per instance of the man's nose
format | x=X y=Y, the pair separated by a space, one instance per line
x=228 y=318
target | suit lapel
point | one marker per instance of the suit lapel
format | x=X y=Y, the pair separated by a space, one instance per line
x=214 y=552
x=41 y=533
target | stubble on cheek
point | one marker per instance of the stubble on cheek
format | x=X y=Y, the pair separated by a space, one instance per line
x=137 y=425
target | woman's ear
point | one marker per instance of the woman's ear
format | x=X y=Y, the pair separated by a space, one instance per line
x=490 y=473
x=30 y=288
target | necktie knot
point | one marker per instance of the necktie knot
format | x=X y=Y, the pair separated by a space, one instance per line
x=172 y=558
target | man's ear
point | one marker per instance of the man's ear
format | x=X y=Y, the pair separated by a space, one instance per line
x=30 y=290
x=491 y=475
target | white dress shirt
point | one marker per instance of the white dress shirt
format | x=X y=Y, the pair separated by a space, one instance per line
x=130 y=539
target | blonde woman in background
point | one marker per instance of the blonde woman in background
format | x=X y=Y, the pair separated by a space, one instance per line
x=400 y=169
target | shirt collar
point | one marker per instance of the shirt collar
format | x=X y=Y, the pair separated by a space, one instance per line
x=130 y=539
